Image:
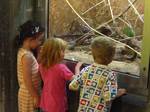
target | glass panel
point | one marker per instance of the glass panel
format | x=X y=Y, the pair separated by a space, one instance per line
x=120 y=20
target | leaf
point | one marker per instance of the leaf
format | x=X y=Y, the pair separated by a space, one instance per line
x=128 y=31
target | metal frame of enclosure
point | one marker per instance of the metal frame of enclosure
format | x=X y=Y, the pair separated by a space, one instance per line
x=145 y=70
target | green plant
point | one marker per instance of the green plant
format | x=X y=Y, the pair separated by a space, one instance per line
x=128 y=31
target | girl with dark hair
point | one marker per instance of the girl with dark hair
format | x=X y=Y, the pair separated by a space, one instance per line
x=30 y=37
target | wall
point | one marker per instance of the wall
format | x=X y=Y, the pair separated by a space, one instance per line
x=13 y=13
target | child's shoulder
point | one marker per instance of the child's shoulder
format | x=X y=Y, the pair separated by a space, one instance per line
x=86 y=68
x=61 y=66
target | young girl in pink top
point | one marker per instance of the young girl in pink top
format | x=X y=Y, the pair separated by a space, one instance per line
x=54 y=75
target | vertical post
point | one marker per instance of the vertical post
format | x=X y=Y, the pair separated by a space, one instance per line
x=146 y=44
x=41 y=13
x=47 y=4
x=146 y=51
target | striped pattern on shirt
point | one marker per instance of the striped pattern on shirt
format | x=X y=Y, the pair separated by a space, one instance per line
x=25 y=100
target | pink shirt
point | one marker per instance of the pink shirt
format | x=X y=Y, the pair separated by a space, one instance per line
x=53 y=98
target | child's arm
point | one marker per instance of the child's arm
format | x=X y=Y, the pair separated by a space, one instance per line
x=74 y=85
x=121 y=91
x=77 y=68
x=27 y=77
x=110 y=91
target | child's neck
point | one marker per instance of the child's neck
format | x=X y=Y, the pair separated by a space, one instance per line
x=101 y=63
x=26 y=46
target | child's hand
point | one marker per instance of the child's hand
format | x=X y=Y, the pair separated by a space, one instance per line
x=36 y=101
x=121 y=92
x=77 y=67
x=39 y=53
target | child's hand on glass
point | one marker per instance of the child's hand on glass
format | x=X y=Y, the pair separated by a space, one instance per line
x=121 y=92
x=36 y=101
x=77 y=68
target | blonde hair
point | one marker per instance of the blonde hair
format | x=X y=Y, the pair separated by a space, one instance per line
x=103 y=50
x=51 y=51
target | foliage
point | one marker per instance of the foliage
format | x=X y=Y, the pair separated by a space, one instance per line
x=128 y=31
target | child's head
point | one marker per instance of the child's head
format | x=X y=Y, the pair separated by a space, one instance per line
x=31 y=32
x=52 y=52
x=103 y=50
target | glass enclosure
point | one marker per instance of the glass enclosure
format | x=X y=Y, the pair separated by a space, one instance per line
x=78 y=22
x=122 y=21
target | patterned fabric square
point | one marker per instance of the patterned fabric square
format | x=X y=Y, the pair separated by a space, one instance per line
x=106 y=88
x=90 y=76
x=84 y=102
x=101 y=82
x=95 y=77
x=113 y=95
x=88 y=82
x=86 y=95
x=90 y=110
x=82 y=109
x=100 y=107
x=84 y=75
x=91 y=90
x=107 y=96
x=102 y=101
x=113 y=90
x=105 y=74
x=95 y=98
x=98 y=71
x=94 y=84
x=98 y=92
x=92 y=70
x=93 y=103
x=112 y=76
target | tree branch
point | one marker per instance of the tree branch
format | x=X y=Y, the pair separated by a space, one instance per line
x=98 y=31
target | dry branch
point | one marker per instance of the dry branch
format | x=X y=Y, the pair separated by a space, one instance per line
x=92 y=7
x=111 y=11
x=67 y=35
x=98 y=31
x=136 y=12
x=116 y=17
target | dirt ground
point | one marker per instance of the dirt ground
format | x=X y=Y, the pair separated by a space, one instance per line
x=131 y=67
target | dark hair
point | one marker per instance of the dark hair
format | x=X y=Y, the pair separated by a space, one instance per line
x=27 y=30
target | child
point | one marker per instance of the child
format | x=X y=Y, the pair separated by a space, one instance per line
x=54 y=75
x=97 y=83
x=30 y=37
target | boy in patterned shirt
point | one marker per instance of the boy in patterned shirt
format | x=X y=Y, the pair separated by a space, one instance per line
x=97 y=82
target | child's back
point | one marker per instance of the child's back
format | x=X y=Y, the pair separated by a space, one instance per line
x=54 y=76
x=97 y=83
x=53 y=97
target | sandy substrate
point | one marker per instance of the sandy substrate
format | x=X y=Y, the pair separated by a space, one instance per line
x=126 y=67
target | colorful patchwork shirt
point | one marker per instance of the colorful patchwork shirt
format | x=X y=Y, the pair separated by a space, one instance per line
x=98 y=86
